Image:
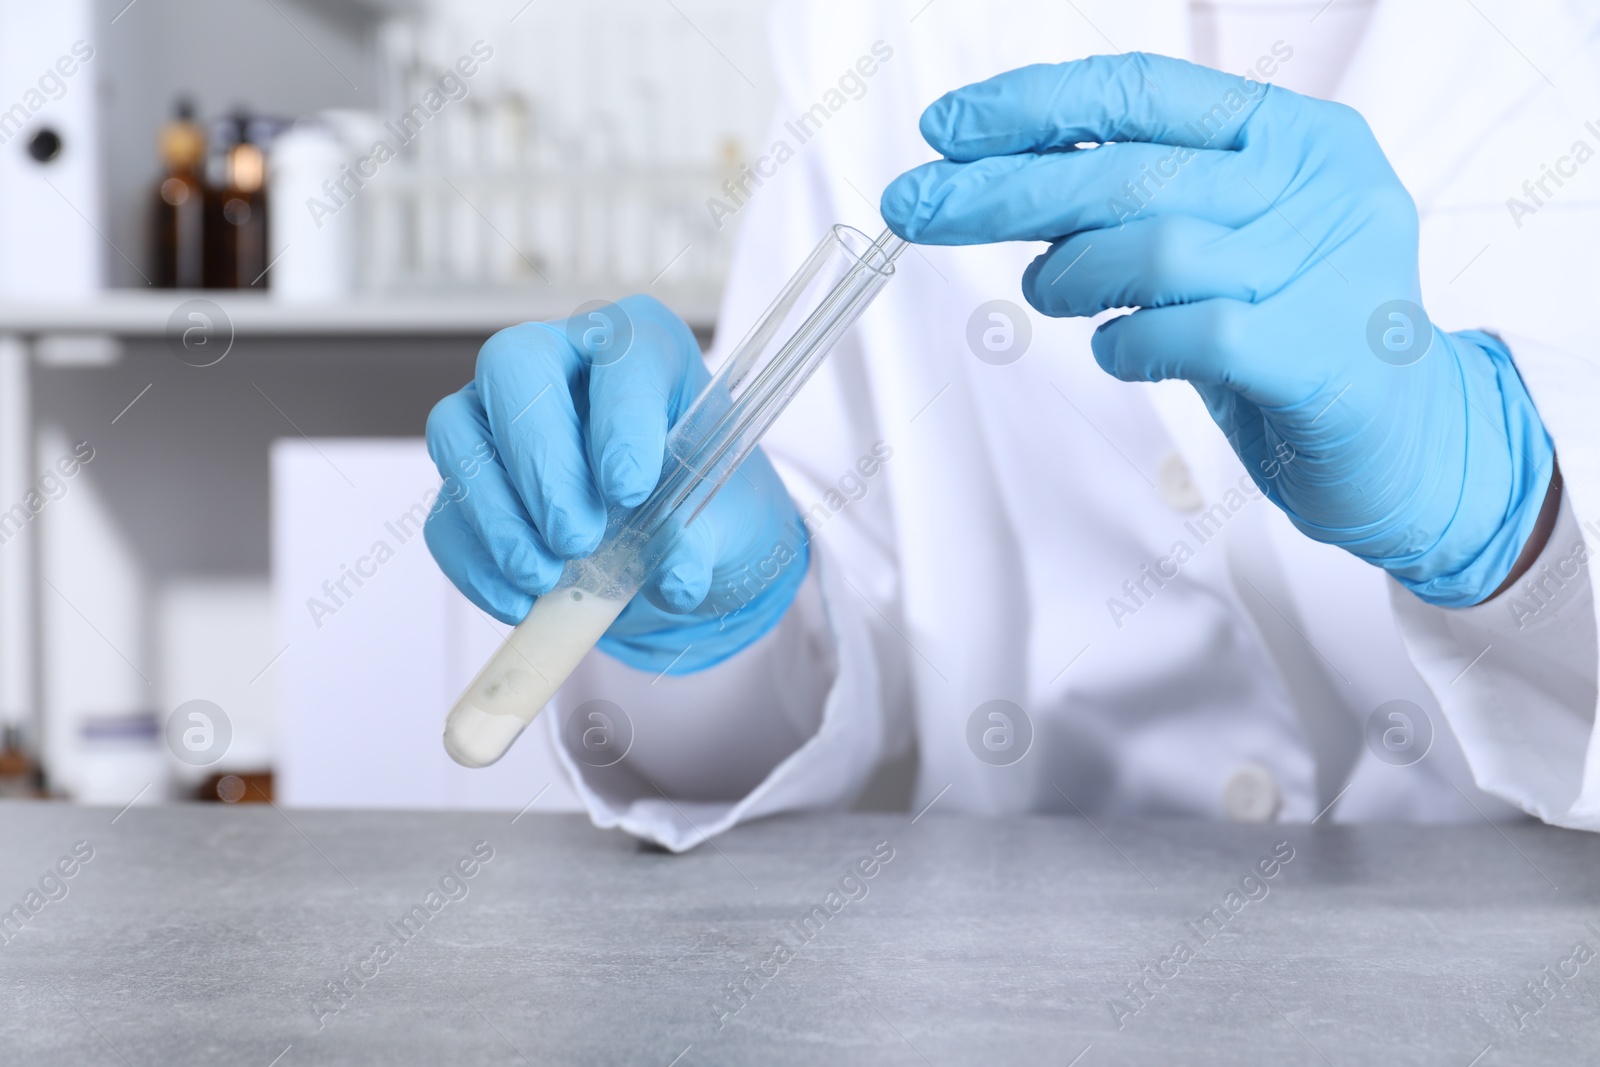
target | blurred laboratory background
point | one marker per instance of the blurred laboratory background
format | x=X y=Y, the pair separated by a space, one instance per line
x=244 y=246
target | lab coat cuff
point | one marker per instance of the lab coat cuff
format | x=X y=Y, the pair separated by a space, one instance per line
x=1516 y=678
x=826 y=771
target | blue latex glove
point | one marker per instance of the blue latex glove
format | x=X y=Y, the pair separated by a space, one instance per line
x=1268 y=244
x=555 y=429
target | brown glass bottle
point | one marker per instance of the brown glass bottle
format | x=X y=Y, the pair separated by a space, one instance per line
x=178 y=219
x=236 y=217
x=19 y=774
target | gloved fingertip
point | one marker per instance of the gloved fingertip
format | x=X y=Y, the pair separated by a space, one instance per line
x=570 y=536
x=509 y=607
x=1103 y=344
x=683 y=593
x=529 y=571
x=901 y=206
x=1030 y=284
x=1031 y=271
x=937 y=124
x=497 y=593
x=622 y=475
x=682 y=586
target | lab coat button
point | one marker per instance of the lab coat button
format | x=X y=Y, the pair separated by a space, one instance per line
x=1251 y=795
x=1177 y=486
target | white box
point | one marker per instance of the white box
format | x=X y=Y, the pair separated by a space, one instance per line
x=369 y=669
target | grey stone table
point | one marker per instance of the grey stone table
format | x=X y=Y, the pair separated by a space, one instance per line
x=252 y=936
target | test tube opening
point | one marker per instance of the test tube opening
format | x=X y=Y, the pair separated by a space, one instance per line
x=875 y=254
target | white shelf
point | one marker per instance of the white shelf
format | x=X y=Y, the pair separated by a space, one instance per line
x=146 y=313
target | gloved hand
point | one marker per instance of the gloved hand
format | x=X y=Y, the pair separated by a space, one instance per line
x=557 y=427
x=1273 y=254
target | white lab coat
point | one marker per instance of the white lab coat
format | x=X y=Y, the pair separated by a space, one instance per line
x=983 y=559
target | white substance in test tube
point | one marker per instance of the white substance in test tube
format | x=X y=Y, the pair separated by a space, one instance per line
x=521 y=678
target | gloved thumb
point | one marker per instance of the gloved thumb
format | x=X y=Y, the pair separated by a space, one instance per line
x=683 y=579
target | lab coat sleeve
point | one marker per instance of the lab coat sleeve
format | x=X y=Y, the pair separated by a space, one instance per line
x=1516 y=678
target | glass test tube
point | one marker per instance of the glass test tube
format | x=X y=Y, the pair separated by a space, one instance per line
x=723 y=426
